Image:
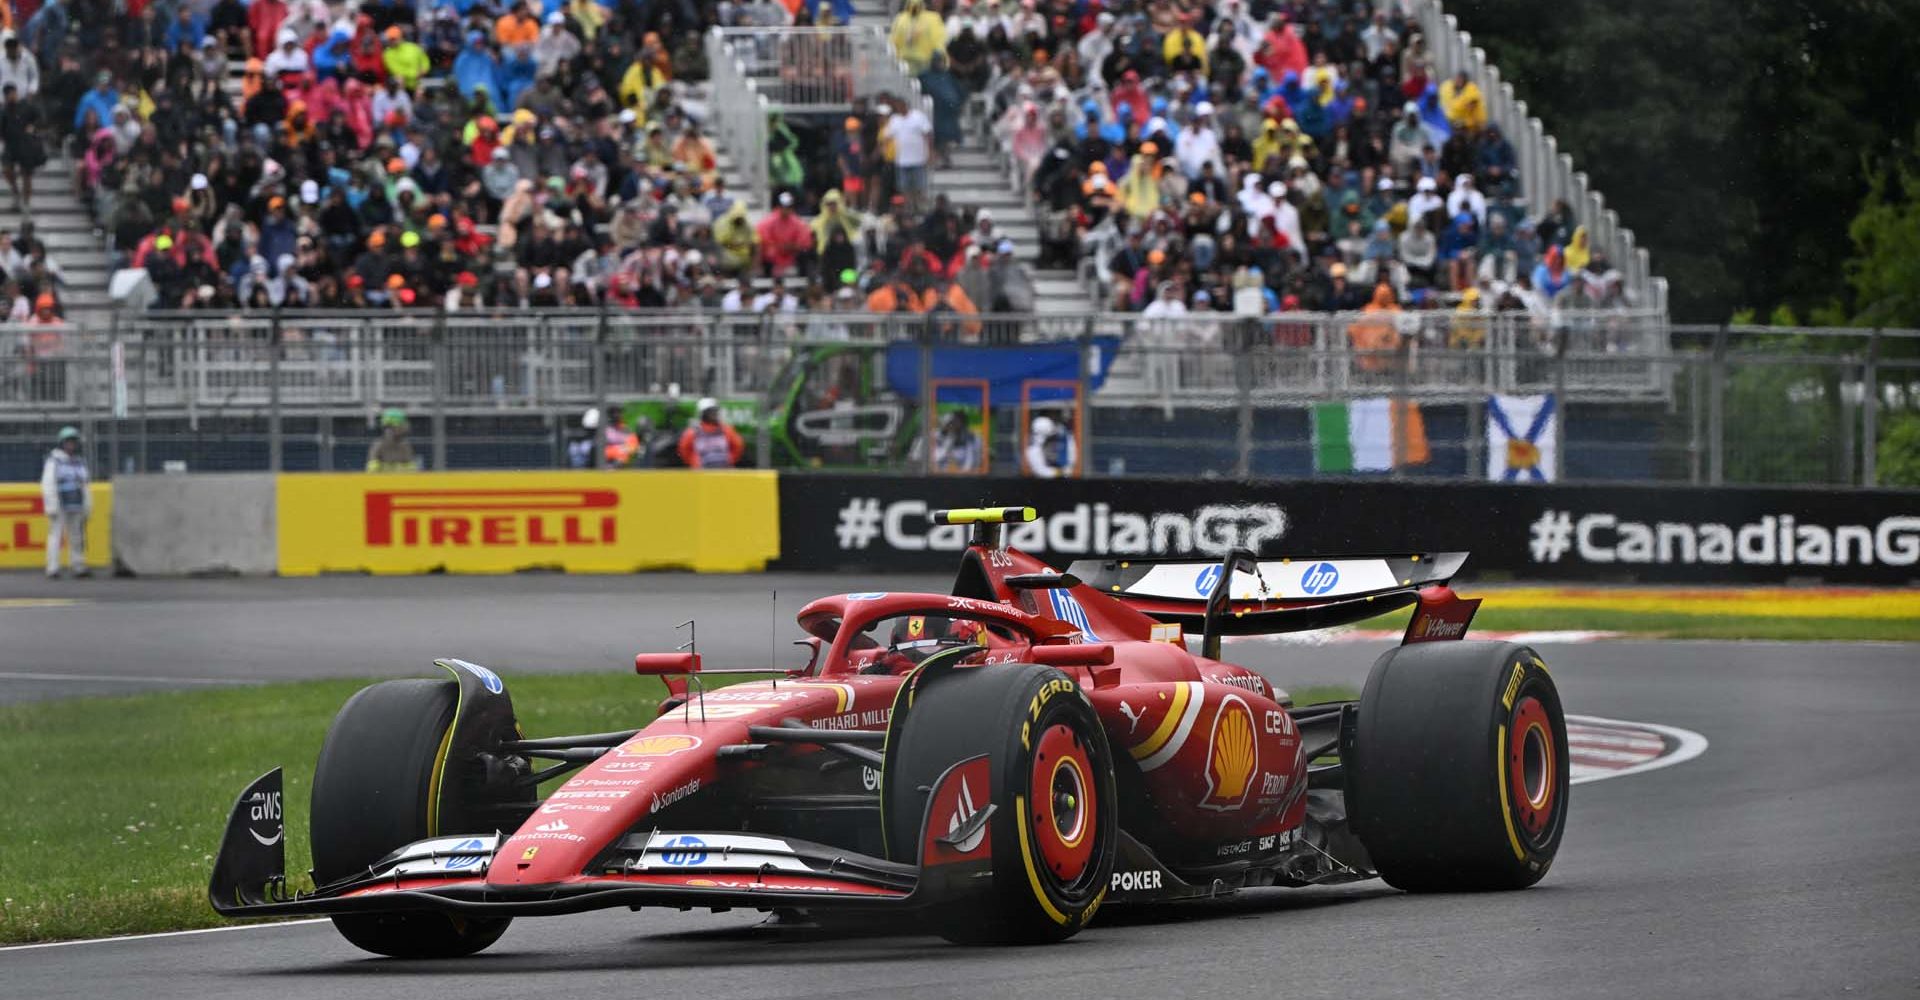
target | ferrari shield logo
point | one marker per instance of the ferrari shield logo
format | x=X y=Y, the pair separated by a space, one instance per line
x=917 y=627
x=1232 y=756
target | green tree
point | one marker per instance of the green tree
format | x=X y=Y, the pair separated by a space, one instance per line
x=1727 y=134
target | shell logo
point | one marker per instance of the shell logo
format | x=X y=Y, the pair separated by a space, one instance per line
x=658 y=746
x=1233 y=756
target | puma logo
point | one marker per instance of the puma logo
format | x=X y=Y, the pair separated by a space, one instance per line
x=1133 y=716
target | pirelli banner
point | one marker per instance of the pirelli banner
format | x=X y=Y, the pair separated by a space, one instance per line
x=1653 y=534
x=23 y=527
x=502 y=522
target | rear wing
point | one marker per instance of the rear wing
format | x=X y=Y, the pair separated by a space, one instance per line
x=1242 y=594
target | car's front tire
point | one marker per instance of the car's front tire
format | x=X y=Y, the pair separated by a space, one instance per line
x=1055 y=828
x=373 y=792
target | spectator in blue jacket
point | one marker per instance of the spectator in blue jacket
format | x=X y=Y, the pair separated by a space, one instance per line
x=517 y=69
x=47 y=31
x=476 y=68
x=187 y=29
x=334 y=58
x=1496 y=160
x=101 y=100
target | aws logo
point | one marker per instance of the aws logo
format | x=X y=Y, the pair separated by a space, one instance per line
x=491 y=518
x=1233 y=755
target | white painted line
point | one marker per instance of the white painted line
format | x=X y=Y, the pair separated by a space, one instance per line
x=117 y=678
x=1595 y=755
x=1689 y=745
x=164 y=934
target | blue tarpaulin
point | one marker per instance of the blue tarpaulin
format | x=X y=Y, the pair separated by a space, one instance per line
x=1004 y=368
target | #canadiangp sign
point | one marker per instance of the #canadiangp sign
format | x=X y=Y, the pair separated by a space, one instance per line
x=487 y=522
x=1650 y=534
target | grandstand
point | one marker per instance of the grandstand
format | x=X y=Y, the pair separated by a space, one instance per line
x=508 y=213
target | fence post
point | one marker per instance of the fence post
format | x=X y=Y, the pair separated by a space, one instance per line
x=1870 y=413
x=276 y=454
x=1560 y=340
x=1085 y=430
x=763 y=427
x=1716 y=410
x=146 y=341
x=597 y=385
x=927 y=399
x=1243 y=400
x=437 y=347
x=1402 y=392
x=1477 y=438
x=1694 y=410
x=116 y=392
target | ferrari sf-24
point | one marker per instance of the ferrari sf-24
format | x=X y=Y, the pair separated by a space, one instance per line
x=1001 y=762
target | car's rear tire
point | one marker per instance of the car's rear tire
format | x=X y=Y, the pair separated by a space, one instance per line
x=1457 y=774
x=1052 y=851
x=371 y=795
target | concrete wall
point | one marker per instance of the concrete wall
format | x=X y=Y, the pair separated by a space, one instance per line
x=174 y=525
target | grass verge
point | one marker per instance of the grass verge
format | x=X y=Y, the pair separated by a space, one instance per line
x=115 y=805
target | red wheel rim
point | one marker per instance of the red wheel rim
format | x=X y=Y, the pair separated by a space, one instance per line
x=1064 y=803
x=1532 y=769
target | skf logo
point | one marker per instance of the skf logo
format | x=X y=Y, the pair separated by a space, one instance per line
x=22 y=523
x=491 y=518
x=1232 y=757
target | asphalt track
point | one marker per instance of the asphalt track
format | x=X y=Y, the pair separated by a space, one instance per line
x=1781 y=863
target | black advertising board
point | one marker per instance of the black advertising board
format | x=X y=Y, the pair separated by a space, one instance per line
x=1651 y=534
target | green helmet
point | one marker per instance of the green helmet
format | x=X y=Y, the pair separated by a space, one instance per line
x=393 y=417
x=69 y=431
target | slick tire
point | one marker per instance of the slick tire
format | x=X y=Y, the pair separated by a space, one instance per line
x=371 y=790
x=1055 y=825
x=1457 y=774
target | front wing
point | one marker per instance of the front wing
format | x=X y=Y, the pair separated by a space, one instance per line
x=652 y=868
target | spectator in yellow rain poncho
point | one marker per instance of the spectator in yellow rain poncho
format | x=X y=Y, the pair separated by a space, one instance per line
x=917 y=34
x=1463 y=103
x=834 y=213
x=1140 y=189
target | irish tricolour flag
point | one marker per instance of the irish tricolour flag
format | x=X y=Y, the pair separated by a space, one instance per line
x=1358 y=435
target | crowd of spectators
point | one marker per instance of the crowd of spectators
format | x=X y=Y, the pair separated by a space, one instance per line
x=255 y=154
x=1256 y=157
x=1236 y=156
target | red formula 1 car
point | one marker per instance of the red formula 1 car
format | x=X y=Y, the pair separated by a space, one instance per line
x=1002 y=761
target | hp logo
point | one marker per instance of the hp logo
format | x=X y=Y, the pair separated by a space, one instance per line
x=684 y=850
x=1205 y=581
x=1319 y=578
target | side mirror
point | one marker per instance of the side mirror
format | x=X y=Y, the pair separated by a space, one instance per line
x=664 y=664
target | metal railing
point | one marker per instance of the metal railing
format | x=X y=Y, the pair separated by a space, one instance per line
x=191 y=363
x=1203 y=395
x=1546 y=174
x=801 y=70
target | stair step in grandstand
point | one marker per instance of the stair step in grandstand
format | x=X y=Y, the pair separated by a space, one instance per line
x=61 y=222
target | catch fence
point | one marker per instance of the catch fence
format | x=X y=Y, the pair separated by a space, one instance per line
x=1199 y=395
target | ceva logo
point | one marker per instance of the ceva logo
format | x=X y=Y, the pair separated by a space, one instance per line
x=22 y=523
x=491 y=518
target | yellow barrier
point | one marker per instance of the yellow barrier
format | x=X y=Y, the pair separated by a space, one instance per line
x=23 y=527
x=500 y=522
